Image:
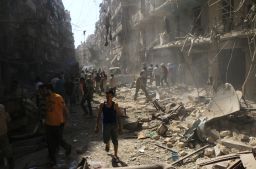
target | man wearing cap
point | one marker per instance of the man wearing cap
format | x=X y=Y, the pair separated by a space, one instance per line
x=5 y=146
x=111 y=122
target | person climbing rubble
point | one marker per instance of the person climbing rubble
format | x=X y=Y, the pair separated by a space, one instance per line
x=141 y=85
x=111 y=122
x=164 y=75
x=5 y=145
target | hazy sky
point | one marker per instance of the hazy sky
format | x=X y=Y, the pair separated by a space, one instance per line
x=84 y=14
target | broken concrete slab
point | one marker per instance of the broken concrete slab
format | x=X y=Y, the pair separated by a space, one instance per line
x=225 y=133
x=236 y=144
x=209 y=152
x=221 y=165
x=248 y=161
x=224 y=102
x=162 y=129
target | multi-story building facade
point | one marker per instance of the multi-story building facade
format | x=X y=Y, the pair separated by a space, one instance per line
x=210 y=41
x=35 y=39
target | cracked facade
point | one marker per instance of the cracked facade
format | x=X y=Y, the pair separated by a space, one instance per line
x=210 y=41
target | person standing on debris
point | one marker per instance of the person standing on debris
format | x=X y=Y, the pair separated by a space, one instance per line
x=55 y=120
x=103 y=81
x=145 y=74
x=164 y=75
x=141 y=85
x=5 y=145
x=112 y=83
x=97 y=81
x=111 y=122
x=150 y=73
x=87 y=95
x=69 y=89
x=157 y=75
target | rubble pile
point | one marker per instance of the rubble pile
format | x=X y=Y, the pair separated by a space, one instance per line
x=177 y=122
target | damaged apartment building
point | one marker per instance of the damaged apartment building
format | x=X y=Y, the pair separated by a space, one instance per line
x=36 y=39
x=207 y=40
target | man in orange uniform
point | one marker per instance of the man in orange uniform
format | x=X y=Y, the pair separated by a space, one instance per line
x=56 y=116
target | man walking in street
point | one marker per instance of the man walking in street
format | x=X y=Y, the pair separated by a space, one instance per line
x=157 y=75
x=141 y=85
x=111 y=122
x=113 y=83
x=88 y=91
x=55 y=119
x=5 y=146
x=164 y=75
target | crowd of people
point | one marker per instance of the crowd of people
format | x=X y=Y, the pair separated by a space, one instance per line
x=56 y=99
x=162 y=75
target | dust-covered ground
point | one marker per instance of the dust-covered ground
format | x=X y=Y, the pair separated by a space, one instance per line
x=139 y=140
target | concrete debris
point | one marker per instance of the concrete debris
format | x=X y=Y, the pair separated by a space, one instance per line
x=209 y=152
x=225 y=134
x=181 y=124
x=142 y=135
x=162 y=129
x=225 y=102
x=235 y=144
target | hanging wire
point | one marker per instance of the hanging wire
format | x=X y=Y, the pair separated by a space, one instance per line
x=230 y=59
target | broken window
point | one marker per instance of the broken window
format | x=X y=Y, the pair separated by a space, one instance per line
x=227 y=14
x=197 y=24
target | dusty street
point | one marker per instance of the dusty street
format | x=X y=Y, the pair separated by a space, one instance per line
x=144 y=132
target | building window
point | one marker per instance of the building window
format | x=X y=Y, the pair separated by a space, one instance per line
x=227 y=14
x=197 y=24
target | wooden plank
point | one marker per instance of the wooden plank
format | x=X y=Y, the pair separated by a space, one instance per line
x=248 y=161
x=221 y=158
x=165 y=148
x=187 y=156
x=235 y=164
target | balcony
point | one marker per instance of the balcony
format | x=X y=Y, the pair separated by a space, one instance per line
x=130 y=3
x=116 y=11
x=117 y=30
x=162 y=9
x=137 y=19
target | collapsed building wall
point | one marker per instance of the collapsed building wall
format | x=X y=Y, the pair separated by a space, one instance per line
x=208 y=39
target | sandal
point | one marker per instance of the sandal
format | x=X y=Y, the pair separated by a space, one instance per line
x=107 y=148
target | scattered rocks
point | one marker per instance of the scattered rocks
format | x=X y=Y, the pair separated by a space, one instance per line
x=252 y=141
x=169 y=145
x=181 y=145
x=156 y=137
x=209 y=152
x=162 y=129
x=168 y=139
x=142 y=135
x=225 y=134
x=183 y=153
x=245 y=138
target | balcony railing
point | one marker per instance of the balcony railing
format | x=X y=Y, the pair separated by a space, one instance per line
x=137 y=18
x=118 y=29
x=117 y=10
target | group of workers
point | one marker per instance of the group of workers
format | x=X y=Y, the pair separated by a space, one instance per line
x=161 y=75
